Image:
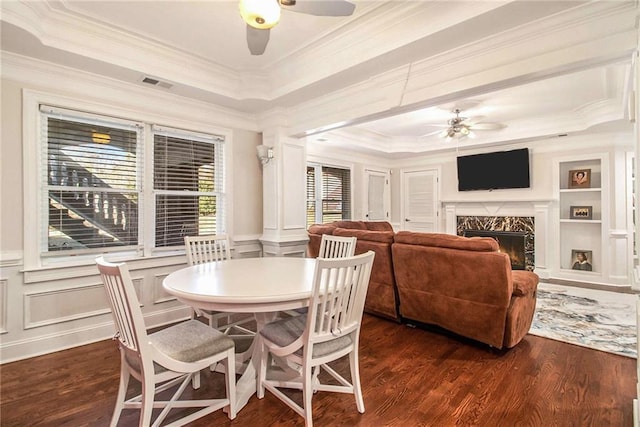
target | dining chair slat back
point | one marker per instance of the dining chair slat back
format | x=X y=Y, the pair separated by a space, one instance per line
x=123 y=300
x=337 y=246
x=209 y=248
x=214 y=248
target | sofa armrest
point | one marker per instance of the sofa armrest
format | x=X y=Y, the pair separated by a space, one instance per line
x=321 y=229
x=524 y=283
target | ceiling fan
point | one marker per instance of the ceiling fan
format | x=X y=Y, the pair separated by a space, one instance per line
x=262 y=15
x=459 y=126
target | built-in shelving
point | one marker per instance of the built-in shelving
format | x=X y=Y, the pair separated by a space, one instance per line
x=581 y=217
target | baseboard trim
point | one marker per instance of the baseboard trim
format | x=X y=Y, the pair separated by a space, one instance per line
x=624 y=289
x=45 y=344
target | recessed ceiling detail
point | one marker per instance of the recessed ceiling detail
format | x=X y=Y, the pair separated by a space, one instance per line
x=538 y=68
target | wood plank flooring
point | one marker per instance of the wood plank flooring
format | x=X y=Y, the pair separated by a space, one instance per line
x=410 y=377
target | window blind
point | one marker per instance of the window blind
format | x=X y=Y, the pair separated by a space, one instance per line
x=91 y=172
x=188 y=185
x=336 y=194
x=311 y=196
x=328 y=194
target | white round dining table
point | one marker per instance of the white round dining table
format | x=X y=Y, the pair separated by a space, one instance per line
x=244 y=285
x=262 y=286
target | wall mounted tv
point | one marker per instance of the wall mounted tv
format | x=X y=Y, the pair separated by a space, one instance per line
x=492 y=171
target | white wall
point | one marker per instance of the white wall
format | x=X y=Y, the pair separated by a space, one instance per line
x=45 y=310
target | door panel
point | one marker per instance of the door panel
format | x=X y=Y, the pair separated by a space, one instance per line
x=420 y=204
x=377 y=203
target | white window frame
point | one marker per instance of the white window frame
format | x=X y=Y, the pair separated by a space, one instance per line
x=318 y=165
x=220 y=196
x=33 y=164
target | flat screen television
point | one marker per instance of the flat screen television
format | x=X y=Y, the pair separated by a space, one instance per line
x=492 y=171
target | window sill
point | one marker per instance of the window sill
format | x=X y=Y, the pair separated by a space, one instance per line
x=85 y=267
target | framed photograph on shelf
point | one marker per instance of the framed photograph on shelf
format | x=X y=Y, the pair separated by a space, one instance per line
x=581 y=260
x=580 y=212
x=580 y=178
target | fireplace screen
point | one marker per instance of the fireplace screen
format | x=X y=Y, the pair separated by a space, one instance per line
x=511 y=243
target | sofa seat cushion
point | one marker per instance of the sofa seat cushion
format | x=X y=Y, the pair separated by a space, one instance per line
x=440 y=240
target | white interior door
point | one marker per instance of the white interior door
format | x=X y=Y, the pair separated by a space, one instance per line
x=420 y=200
x=378 y=197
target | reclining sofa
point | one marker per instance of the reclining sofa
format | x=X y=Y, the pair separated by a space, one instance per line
x=463 y=285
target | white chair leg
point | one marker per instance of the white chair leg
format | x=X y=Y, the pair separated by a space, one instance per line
x=307 y=394
x=195 y=380
x=262 y=368
x=148 y=394
x=122 y=392
x=316 y=381
x=230 y=382
x=355 y=380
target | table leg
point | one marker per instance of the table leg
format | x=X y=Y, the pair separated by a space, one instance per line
x=246 y=385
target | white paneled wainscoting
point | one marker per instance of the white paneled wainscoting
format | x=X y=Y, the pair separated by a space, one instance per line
x=51 y=309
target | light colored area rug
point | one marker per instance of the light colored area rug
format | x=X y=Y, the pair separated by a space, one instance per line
x=600 y=320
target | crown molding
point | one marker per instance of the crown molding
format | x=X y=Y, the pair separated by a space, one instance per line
x=165 y=107
x=521 y=54
x=578 y=39
x=379 y=31
x=57 y=27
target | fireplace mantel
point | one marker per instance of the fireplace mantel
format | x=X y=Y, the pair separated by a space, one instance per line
x=537 y=208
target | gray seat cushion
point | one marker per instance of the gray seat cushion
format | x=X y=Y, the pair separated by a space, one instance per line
x=285 y=331
x=190 y=341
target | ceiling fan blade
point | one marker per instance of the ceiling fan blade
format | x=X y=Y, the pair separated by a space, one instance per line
x=487 y=126
x=320 y=7
x=257 y=40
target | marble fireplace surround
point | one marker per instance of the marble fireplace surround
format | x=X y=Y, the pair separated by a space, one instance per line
x=524 y=210
x=521 y=230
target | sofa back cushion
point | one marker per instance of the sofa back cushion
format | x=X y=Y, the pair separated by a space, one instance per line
x=350 y=224
x=374 y=236
x=378 y=226
x=381 y=297
x=461 y=284
x=439 y=240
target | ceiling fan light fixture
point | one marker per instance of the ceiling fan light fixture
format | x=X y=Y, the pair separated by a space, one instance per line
x=260 y=14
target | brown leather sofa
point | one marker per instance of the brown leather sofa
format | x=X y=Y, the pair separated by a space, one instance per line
x=463 y=285
x=376 y=236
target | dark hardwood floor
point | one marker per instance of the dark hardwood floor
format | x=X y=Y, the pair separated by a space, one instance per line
x=410 y=377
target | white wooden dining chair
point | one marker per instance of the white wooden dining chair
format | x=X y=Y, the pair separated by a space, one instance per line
x=213 y=248
x=337 y=246
x=329 y=331
x=331 y=247
x=163 y=360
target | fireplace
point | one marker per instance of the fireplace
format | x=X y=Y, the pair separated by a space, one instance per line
x=511 y=243
x=520 y=229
